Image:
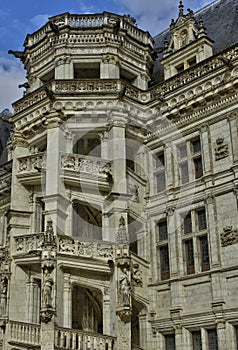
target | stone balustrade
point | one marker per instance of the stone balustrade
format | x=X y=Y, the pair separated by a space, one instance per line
x=32 y=163
x=25 y=333
x=87 y=165
x=77 y=340
x=90 y=21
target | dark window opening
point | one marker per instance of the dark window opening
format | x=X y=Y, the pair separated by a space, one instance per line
x=187 y=224
x=164 y=262
x=192 y=62
x=198 y=167
x=87 y=221
x=212 y=339
x=189 y=256
x=202 y=222
x=163 y=230
x=48 y=77
x=197 y=340
x=196 y=146
x=88 y=146
x=127 y=76
x=204 y=250
x=159 y=160
x=182 y=150
x=170 y=342
x=180 y=68
x=87 y=71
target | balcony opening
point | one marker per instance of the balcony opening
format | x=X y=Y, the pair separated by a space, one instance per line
x=87 y=221
x=127 y=76
x=48 y=77
x=87 y=310
x=88 y=146
x=87 y=70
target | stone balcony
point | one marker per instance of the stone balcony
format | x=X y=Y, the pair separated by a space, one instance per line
x=28 y=336
x=30 y=168
x=90 y=171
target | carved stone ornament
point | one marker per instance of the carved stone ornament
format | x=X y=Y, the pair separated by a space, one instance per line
x=136 y=276
x=124 y=288
x=229 y=236
x=46 y=314
x=134 y=192
x=124 y=314
x=221 y=149
x=122 y=236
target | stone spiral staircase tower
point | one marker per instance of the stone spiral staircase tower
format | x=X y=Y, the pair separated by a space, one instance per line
x=71 y=245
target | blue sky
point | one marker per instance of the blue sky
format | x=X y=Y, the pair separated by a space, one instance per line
x=19 y=17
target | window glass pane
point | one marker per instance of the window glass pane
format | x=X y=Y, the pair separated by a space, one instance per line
x=196 y=146
x=212 y=339
x=164 y=262
x=189 y=256
x=160 y=181
x=198 y=167
x=182 y=150
x=170 y=342
x=163 y=230
x=187 y=224
x=204 y=253
x=197 y=340
x=159 y=160
x=184 y=172
x=202 y=223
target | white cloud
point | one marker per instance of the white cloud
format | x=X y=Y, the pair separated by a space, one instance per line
x=156 y=15
x=12 y=74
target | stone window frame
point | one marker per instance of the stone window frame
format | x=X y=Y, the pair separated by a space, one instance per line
x=163 y=259
x=189 y=157
x=159 y=166
x=197 y=236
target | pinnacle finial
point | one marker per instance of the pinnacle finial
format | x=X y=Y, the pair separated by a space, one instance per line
x=181 y=7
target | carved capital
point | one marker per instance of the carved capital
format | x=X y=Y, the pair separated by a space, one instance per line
x=124 y=314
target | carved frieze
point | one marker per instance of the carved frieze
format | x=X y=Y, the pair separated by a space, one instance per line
x=229 y=236
x=136 y=275
x=221 y=149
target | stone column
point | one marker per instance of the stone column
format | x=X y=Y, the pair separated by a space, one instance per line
x=221 y=335
x=123 y=297
x=143 y=326
x=56 y=202
x=106 y=311
x=110 y=68
x=67 y=302
x=213 y=230
x=172 y=238
x=206 y=149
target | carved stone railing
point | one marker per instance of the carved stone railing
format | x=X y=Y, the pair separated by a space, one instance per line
x=100 y=85
x=77 y=340
x=32 y=163
x=32 y=243
x=28 y=243
x=87 y=249
x=86 y=165
x=24 y=333
x=29 y=100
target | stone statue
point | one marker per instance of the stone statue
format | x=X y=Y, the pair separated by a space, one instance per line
x=4 y=286
x=124 y=288
x=47 y=289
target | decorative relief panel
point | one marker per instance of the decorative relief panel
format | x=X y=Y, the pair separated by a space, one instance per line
x=221 y=149
x=32 y=163
x=229 y=236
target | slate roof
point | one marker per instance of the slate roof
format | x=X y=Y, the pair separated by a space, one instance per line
x=221 y=22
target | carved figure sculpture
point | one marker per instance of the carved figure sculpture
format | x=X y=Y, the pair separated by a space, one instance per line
x=47 y=289
x=124 y=288
x=4 y=286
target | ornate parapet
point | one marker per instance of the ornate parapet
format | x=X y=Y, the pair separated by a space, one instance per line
x=86 y=86
x=229 y=236
x=77 y=248
x=86 y=166
x=28 y=244
x=33 y=163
